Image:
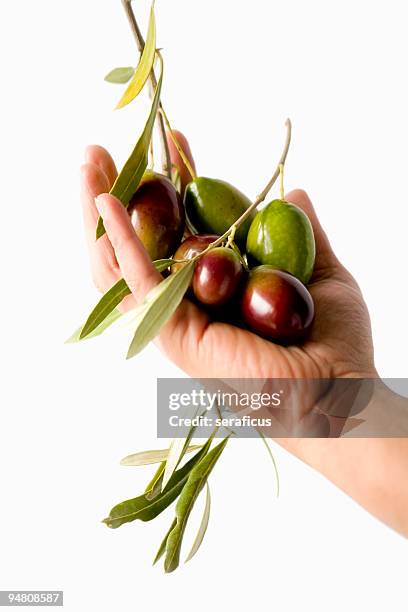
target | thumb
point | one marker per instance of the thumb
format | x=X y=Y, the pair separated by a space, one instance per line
x=325 y=257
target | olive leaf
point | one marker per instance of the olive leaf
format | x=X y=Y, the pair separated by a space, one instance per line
x=108 y=321
x=175 y=454
x=195 y=482
x=120 y=75
x=129 y=178
x=144 y=67
x=153 y=456
x=162 y=264
x=176 y=178
x=178 y=448
x=110 y=300
x=268 y=448
x=144 y=509
x=203 y=525
x=105 y=313
x=158 y=307
x=154 y=487
x=163 y=545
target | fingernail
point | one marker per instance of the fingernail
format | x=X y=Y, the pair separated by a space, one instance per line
x=100 y=204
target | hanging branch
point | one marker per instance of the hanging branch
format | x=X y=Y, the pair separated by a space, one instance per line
x=166 y=163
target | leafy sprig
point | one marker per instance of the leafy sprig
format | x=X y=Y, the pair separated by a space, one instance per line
x=172 y=480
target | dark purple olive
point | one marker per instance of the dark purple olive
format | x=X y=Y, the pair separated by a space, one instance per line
x=157 y=214
x=192 y=246
x=217 y=276
x=276 y=305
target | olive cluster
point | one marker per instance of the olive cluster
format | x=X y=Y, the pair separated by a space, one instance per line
x=257 y=280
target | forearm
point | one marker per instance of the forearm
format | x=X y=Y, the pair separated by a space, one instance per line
x=373 y=471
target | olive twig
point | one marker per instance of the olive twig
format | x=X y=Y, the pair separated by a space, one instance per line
x=178 y=146
x=282 y=181
x=231 y=237
x=259 y=199
x=282 y=161
x=166 y=163
x=151 y=153
x=244 y=263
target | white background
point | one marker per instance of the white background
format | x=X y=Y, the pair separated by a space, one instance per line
x=234 y=71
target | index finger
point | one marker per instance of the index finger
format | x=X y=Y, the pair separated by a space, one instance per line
x=133 y=259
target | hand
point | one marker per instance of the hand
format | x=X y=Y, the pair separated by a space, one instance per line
x=340 y=344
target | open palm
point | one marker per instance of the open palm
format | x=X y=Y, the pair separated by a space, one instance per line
x=339 y=345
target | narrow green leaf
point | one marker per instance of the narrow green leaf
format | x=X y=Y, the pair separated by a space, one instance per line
x=163 y=545
x=107 y=304
x=141 y=508
x=203 y=526
x=162 y=264
x=110 y=300
x=129 y=178
x=178 y=448
x=158 y=307
x=176 y=178
x=120 y=75
x=154 y=487
x=144 y=67
x=153 y=456
x=109 y=320
x=175 y=454
x=196 y=481
x=268 y=448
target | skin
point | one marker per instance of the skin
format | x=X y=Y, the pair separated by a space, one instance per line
x=340 y=344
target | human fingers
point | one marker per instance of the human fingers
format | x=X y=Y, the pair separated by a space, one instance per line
x=98 y=156
x=176 y=159
x=104 y=267
x=133 y=260
x=180 y=337
x=325 y=257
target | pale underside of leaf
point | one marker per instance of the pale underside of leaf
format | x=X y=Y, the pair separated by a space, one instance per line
x=158 y=307
x=152 y=457
x=144 y=67
x=111 y=315
x=177 y=450
x=203 y=525
x=109 y=320
x=175 y=454
x=146 y=508
x=120 y=75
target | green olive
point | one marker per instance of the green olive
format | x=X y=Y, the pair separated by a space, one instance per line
x=281 y=236
x=212 y=206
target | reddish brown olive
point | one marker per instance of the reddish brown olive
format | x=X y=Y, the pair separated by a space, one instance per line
x=157 y=214
x=192 y=246
x=217 y=276
x=276 y=305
